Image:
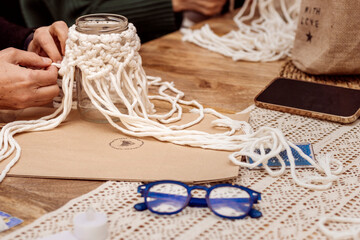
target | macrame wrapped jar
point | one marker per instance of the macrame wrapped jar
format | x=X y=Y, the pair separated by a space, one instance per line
x=97 y=24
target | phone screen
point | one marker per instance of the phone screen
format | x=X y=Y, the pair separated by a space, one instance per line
x=311 y=96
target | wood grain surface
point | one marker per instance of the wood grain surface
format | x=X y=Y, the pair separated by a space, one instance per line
x=212 y=79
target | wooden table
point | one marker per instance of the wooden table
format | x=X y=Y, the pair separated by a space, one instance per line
x=212 y=79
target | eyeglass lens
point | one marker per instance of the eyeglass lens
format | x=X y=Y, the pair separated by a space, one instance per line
x=167 y=198
x=229 y=201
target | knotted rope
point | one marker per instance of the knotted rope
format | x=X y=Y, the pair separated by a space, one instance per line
x=267 y=38
x=112 y=72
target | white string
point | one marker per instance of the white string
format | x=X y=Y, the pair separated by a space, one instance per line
x=112 y=72
x=8 y=144
x=351 y=233
x=267 y=38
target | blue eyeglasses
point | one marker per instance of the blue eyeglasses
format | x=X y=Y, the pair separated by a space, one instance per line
x=225 y=200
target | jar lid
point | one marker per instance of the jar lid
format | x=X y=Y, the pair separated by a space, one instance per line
x=101 y=23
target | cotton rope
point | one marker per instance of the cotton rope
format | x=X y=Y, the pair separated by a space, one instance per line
x=110 y=63
x=268 y=37
x=350 y=234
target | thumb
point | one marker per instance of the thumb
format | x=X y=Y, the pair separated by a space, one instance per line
x=30 y=59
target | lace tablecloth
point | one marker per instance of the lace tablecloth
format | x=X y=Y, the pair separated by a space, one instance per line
x=289 y=211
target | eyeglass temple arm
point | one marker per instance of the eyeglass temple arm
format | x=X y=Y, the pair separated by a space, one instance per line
x=196 y=202
x=201 y=202
x=254 y=213
x=254 y=195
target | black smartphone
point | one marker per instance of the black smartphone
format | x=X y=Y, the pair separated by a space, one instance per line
x=311 y=99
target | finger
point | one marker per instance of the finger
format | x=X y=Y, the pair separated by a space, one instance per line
x=34 y=97
x=42 y=78
x=36 y=49
x=33 y=47
x=60 y=30
x=44 y=95
x=211 y=8
x=46 y=42
x=42 y=53
x=28 y=59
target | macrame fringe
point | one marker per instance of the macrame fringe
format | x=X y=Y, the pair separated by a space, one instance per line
x=267 y=38
x=112 y=73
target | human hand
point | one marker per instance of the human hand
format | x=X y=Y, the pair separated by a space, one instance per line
x=206 y=7
x=26 y=79
x=50 y=41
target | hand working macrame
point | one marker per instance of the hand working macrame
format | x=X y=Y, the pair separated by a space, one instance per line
x=269 y=37
x=111 y=62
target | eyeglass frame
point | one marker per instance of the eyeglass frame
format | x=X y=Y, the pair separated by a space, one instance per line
x=191 y=201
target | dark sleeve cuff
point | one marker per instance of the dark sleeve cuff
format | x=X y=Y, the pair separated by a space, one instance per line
x=12 y=35
x=28 y=40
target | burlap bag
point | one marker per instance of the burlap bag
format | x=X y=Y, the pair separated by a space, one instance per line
x=328 y=37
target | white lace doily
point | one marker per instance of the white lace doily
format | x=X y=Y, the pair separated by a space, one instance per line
x=289 y=211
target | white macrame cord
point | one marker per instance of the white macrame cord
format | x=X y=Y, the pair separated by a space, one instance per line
x=111 y=63
x=269 y=36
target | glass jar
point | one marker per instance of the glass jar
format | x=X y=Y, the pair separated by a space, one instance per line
x=95 y=24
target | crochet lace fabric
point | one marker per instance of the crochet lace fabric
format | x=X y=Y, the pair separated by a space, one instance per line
x=289 y=211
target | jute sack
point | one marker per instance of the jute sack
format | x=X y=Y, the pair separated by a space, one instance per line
x=327 y=40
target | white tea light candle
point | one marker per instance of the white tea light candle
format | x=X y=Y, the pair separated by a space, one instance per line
x=90 y=225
